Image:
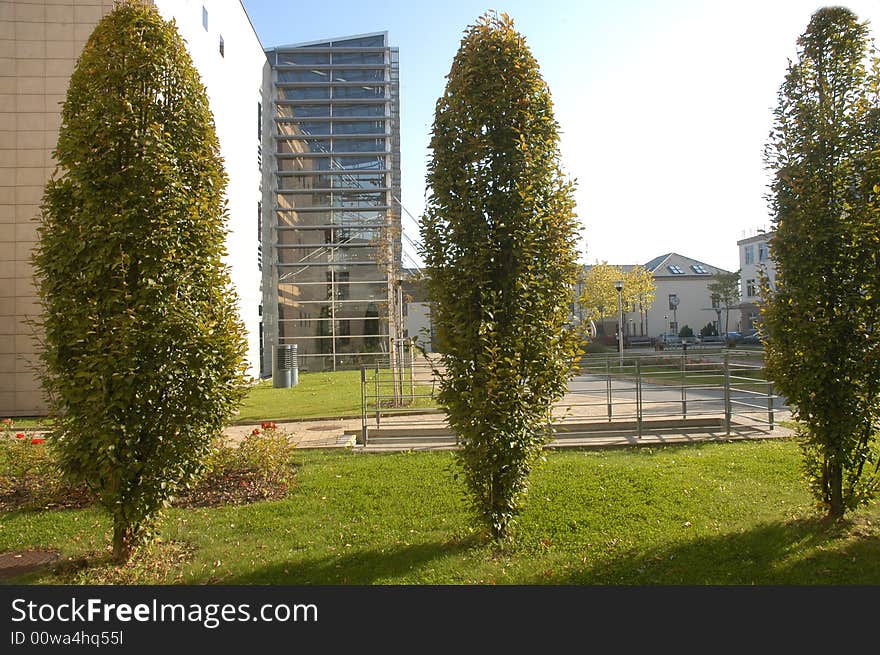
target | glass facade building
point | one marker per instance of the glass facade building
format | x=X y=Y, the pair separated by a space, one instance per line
x=332 y=231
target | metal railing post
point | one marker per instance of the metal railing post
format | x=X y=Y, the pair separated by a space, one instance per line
x=378 y=399
x=770 y=403
x=639 y=397
x=727 y=407
x=684 y=407
x=608 y=386
x=363 y=405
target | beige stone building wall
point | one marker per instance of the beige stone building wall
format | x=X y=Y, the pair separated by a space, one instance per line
x=39 y=43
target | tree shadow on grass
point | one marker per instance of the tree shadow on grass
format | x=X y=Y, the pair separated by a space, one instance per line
x=360 y=567
x=800 y=552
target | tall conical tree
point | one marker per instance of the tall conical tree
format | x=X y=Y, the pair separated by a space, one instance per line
x=823 y=317
x=500 y=251
x=143 y=348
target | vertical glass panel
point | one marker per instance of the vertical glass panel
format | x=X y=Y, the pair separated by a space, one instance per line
x=359 y=127
x=359 y=163
x=359 y=75
x=358 y=92
x=364 y=58
x=303 y=76
x=377 y=109
x=358 y=145
x=377 y=41
x=303 y=58
x=304 y=93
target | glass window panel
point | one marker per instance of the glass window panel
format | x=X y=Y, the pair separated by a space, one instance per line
x=377 y=41
x=305 y=182
x=302 y=200
x=358 y=92
x=302 y=111
x=364 y=217
x=299 y=219
x=359 y=127
x=324 y=254
x=359 y=163
x=297 y=164
x=304 y=128
x=317 y=45
x=359 y=145
x=359 y=181
x=358 y=58
x=304 y=93
x=303 y=76
x=303 y=58
x=377 y=109
x=359 y=75
x=359 y=199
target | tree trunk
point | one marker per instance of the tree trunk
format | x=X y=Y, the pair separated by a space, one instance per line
x=835 y=491
x=123 y=540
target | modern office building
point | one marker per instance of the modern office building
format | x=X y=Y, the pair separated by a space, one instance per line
x=40 y=41
x=331 y=210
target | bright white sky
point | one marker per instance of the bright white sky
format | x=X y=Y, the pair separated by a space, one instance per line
x=664 y=105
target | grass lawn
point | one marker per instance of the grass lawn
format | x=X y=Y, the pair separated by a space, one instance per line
x=733 y=513
x=317 y=395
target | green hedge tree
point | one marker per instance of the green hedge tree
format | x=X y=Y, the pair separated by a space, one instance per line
x=822 y=320
x=143 y=348
x=499 y=238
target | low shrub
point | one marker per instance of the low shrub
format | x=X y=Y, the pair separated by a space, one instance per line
x=261 y=467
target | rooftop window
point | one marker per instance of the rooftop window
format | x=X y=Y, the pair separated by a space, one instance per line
x=700 y=269
x=675 y=270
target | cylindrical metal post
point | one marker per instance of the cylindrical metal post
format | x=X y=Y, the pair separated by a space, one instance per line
x=639 y=397
x=770 y=403
x=378 y=399
x=608 y=386
x=363 y=405
x=684 y=406
x=727 y=407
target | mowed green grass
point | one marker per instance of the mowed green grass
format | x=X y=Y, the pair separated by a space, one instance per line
x=735 y=513
x=317 y=395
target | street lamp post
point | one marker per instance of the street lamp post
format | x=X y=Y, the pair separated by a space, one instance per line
x=619 y=286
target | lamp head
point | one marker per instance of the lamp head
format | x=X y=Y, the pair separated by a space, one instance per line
x=619 y=285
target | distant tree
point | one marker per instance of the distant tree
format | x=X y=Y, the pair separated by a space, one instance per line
x=822 y=321
x=642 y=290
x=143 y=348
x=708 y=330
x=686 y=331
x=724 y=289
x=599 y=296
x=500 y=238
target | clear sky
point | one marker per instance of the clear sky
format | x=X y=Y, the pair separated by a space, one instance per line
x=664 y=105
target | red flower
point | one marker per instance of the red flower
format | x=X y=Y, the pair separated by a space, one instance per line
x=19 y=435
x=256 y=431
x=268 y=425
x=36 y=440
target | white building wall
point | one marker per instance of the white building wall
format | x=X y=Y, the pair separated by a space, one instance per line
x=750 y=270
x=418 y=323
x=234 y=85
x=694 y=307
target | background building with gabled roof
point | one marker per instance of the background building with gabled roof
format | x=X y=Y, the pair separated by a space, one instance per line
x=682 y=298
